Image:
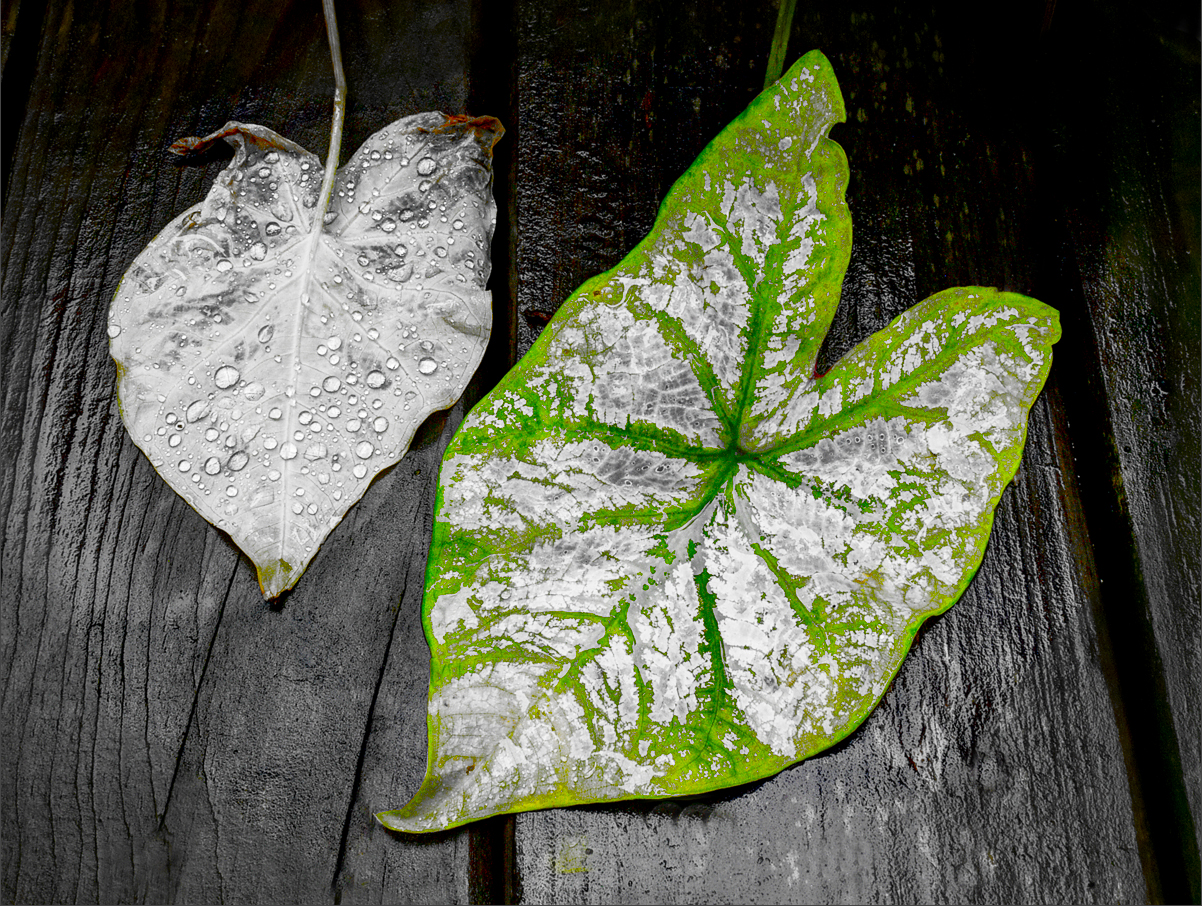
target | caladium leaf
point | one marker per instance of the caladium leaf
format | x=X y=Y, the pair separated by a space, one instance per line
x=668 y=558
x=274 y=357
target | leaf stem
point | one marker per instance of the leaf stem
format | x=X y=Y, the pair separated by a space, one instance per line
x=780 y=42
x=327 y=185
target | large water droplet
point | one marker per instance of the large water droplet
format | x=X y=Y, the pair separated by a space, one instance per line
x=266 y=332
x=288 y=451
x=364 y=449
x=380 y=424
x=334 y=342
x=173 y=440
x=254 y=391
x=315 y=452
x=427 y=365
x=114 y=331
x=238 y=461
x=224 y=264
x=231 y=491
x=185 y=466
x=270 y=443
x=426 y=166
x=275 y=414
x=375 y=379
x=392 y=364
x=212 y=465
x=305 y=417
x=264 y=172
x=226 y=377
x=388 y=225
x=258 y=251
x=331 y=384
x=197 y=410
x=212 y=434
x=360 y=471
x=272 y=229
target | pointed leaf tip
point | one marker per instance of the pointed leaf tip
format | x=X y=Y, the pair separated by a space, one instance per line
x=668 y=558
x=273 y=358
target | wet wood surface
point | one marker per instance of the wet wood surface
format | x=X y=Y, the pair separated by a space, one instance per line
x=169 y=736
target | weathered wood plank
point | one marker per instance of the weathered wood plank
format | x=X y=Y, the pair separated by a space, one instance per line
x=169 y=736
x=1126 y=162
x=994 y=769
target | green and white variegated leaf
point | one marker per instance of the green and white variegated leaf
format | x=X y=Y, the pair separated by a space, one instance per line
x=273 y=358
x=668 y=558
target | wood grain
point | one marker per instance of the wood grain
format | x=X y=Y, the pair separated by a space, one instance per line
x=170 y=737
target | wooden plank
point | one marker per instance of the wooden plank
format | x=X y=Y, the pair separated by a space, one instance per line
x=1125 y=162
x=994 y=769
x=169 y=735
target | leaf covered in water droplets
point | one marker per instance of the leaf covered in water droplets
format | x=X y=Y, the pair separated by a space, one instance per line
x=273 y=360
x=668 y=557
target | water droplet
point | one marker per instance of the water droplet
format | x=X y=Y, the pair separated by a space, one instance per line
x=458 y=225
x=392 y=364
x=426 y=346
x=238 y=461
x=297 y=508
x=334 y=412
x=274 y=474
x=315 y=452
x=334 y=342
x=380 y=424
x=305 y=417
x=224 y=264
x=360 y=471
x=185 y=466
x=354 y=425
x=212 y=434
x=266 y=332
x=375 y=379
x=375 y=155
x=275 y=414
x=288 y=451
x=270 y=443
x=365 y=208
x=401 y=251
x=440 y=252
x=426 y=166
x=212 y=465
x=226 y=377
x=363 y=260
x=197 y=410
x=114 y=331
x=272 y=229
x=264 y=172
x=232 y=491
x=388 y=225
x=258 y=251
x=427 y=365
x=173 y=440
x=330 y=384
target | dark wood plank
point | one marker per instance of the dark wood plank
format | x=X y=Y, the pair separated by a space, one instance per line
x=995 y=767
x=167 y=734
x=1124 y=115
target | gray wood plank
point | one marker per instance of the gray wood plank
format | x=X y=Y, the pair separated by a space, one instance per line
x=995 y=768
x=168 y=735
x=1127 y=161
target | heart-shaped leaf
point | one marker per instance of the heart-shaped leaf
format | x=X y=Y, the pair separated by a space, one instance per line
x=273 y=358
x=668 y=558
